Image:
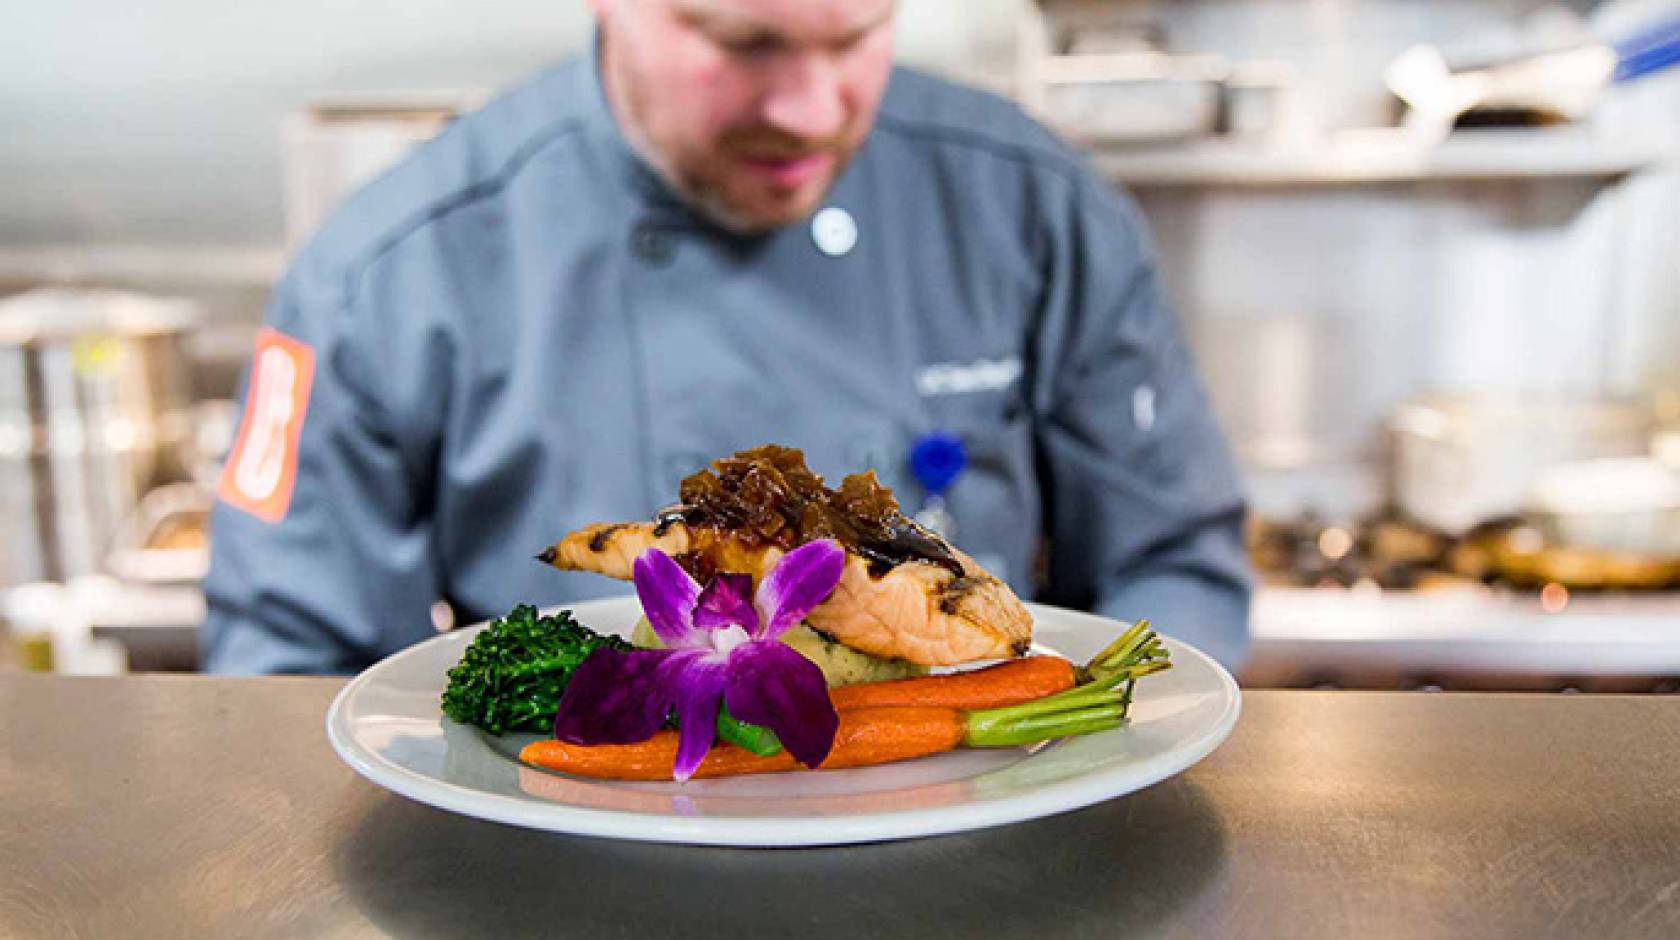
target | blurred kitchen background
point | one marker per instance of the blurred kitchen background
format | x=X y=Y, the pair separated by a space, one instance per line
x=1428 y=252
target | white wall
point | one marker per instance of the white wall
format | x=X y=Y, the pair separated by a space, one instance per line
x=159 y=121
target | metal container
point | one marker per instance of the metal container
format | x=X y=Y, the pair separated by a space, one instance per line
x=1462 y=461
x=93 y=414
x=1622 y=505
x=1133 y=98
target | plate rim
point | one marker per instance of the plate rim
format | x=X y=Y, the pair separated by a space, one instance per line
x=773 y=831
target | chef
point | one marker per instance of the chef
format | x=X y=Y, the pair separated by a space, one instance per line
x=733 y=223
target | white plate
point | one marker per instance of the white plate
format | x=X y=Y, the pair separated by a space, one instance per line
x=388 y=726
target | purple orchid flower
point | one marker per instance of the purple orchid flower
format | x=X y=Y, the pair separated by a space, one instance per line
x=721 y=650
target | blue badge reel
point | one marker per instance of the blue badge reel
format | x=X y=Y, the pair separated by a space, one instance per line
x=936 y=461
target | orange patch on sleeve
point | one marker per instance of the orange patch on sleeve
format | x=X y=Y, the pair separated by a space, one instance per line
x=261 y=470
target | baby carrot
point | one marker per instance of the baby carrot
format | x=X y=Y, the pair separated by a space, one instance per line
x=1007 y=683
x=902 y=719
x=1134 y=654
x=866 y=736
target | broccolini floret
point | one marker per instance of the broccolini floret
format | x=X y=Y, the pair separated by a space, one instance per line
x=513 y=673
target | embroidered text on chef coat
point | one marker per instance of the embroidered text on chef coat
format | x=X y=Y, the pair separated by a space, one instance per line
x=959 y=378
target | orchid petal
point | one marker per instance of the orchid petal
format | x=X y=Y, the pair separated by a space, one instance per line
x=614 y=697
x=804 y=578
x=696 y=681
x=769 y=684
x=726 y=602
x=668 y=596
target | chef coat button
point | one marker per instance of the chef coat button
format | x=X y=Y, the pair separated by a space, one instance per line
x=834 y=230
x=651 y=243
x=1143 y=407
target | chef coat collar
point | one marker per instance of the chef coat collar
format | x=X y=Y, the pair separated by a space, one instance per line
x=608 y=137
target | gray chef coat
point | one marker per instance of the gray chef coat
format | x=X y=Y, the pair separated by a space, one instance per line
x=519 y=330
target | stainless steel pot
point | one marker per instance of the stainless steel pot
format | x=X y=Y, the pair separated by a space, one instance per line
x=1461 y=461
x=93 y=413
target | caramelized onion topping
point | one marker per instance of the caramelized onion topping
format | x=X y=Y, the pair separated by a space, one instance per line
x=768 y=496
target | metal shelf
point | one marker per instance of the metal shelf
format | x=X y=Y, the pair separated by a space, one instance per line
x=257 y=265
x=1374 y=157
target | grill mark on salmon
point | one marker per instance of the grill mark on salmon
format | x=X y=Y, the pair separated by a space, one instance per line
x=598 y=541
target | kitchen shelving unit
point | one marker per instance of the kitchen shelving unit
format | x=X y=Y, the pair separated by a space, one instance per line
x=1375 y=156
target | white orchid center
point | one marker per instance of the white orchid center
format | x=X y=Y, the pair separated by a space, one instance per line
x=725 y=640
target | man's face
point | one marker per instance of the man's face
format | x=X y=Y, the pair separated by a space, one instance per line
x=749 y=108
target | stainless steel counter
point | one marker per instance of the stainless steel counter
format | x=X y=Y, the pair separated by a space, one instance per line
x=195 y=807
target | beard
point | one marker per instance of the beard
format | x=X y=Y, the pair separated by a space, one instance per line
x=719 y=186
x=711 y=180
x=714 y=182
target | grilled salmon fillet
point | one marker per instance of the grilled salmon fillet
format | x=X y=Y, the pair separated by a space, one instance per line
x=904 y=592
x=919 y=611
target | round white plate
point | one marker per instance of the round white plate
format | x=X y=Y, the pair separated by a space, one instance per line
x=387 y=724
